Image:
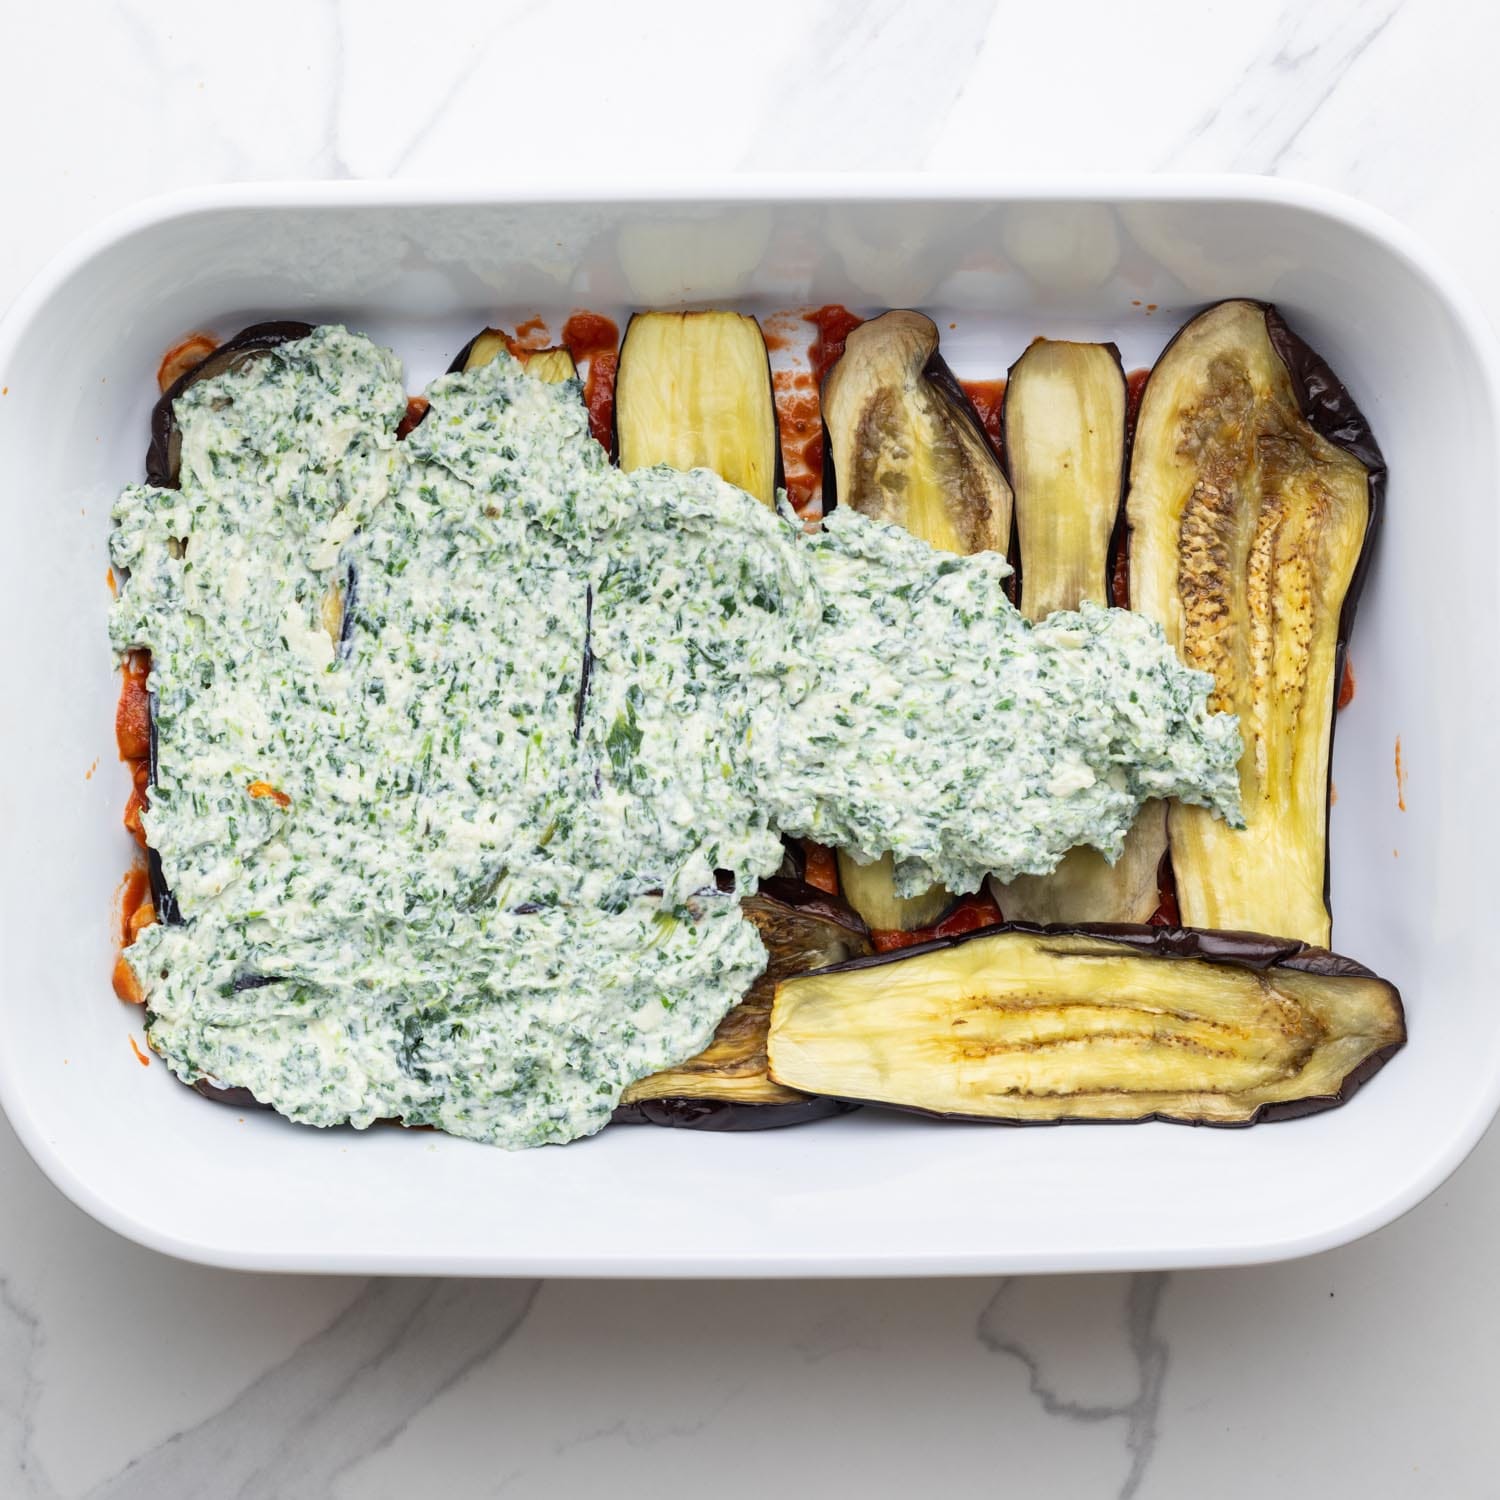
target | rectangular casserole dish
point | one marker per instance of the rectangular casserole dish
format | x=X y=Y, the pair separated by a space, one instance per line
x=869 y=1194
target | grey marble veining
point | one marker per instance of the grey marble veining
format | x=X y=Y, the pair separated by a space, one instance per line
x=1369 y=1370
x=1308 y=55
x=1129 y=1305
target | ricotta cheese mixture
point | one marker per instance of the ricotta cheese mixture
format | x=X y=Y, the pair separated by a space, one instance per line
x=467 y=745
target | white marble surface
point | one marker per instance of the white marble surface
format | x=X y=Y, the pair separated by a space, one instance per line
x=1372 y=1370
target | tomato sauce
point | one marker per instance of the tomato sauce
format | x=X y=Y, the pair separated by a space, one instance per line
x=134 y=893
x=988 y=396
x=133 y=737
x=970 y=914
x=1346 y=686
x=133 y=712
x=530 y=336
x=416 y=409
x=1135 y=385
x=181 y=358
x=800 y=420
x=594 y=339
x=821 y=868
x=588 y=333
x=834 y=324
x=1166 y=913
x=134 y=911
x=133 y=740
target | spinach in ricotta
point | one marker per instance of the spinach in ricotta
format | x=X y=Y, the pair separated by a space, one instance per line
x=467 y=745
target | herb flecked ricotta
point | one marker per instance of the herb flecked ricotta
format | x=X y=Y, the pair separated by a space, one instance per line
x=453 y=735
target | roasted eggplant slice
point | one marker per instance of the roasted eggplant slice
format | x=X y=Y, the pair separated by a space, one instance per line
x=1064 y=441
x=1030 y=1024
x=550 y=365
x=1253 y=493
x=1064 y=429
x=904 y=442
x=906 y=446
x=693 y=390
x=726 y=1086
x=1085 y=887
x=871 y=891
x=164 y=454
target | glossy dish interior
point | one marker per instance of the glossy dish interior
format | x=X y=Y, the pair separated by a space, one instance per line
x=856 y=1194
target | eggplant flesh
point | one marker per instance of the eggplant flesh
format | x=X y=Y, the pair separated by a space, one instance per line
x=164 y=455
x=552 y=366
x=726 y=1086
x=871 y=890
x=904 y=443
x=693 y=390
x=1113 y=1022
x=1085 y=887
x=1252 y=499
x=1064 y=429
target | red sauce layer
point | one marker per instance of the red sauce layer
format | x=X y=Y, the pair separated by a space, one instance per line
x=988 y=397
x=969 y=915
x=181 y=358
x=591 y=337
x=834 y=323
x=800 y=420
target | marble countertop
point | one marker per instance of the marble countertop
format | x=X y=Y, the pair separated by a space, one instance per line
x=1371 y=1370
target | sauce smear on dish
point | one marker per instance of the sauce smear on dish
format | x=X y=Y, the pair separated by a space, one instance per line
x=594 y=339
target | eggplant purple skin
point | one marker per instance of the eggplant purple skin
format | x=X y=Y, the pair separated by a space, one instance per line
x=162 y=455
x=1332 y=413
x=795 y=892
x=1246 y=949
x=240 y=1098
x=686 y=1114
x=462 y=357
x=726 y=1117
x=1253 y=950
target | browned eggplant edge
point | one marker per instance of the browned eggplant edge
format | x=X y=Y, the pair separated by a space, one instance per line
x=795 y=892
x=162 y=456
x=940 y=373
x=1253 y=950
x=778 y=477
x=462 y=357
x=731 y=1115
x=1333 y=414
x=727 y=1117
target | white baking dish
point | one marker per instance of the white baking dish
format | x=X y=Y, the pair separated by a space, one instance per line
x=874 y=1193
